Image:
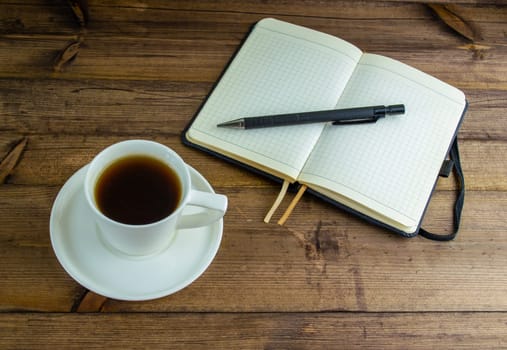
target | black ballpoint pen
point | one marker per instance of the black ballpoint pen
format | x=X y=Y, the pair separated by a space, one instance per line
x=337 y=116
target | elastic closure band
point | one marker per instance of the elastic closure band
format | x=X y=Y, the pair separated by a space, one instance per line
x=460 y=198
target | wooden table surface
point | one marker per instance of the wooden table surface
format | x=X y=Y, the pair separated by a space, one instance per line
x=324 y=280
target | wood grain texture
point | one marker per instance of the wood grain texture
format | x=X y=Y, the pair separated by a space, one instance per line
x=194 y=45
x=163 y=108
x=9 y=162
x=483 y=161
x=323 y=260
x=255 y=331
x=326 y=279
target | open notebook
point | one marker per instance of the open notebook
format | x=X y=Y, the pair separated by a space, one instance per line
x=385 y=171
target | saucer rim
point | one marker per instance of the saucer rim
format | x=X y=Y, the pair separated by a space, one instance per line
x=71 y=185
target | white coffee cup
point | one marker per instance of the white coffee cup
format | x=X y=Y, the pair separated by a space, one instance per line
x=147 y=239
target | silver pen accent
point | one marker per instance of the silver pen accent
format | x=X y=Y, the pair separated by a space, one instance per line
x=236 y=124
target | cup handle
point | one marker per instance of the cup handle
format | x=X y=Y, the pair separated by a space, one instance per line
x=215 y=205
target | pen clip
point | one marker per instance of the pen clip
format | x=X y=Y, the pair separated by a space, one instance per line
x=358 y=121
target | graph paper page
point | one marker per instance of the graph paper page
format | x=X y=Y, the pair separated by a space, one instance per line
x=281 y=68
x=390 y=166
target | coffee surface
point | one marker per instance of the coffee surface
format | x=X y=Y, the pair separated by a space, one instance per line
x=138 y=190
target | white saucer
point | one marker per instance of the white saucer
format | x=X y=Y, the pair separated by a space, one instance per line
x=82 y=254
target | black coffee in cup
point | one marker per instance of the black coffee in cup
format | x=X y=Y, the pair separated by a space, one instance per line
x=138 y=190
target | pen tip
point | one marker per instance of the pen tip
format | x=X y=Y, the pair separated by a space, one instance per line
x=237 y=123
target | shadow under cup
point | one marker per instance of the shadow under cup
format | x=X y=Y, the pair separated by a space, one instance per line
x=137 y=190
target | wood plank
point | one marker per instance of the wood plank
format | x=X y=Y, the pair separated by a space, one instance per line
x=464 y=65
x=186 y=45
x=152 y=12
x=98 y=107
x=42 y=16
x=165 y=108
x=51 y=159
x=36 y=17
x=254 y=331
x=322 y=259
x=485 y=106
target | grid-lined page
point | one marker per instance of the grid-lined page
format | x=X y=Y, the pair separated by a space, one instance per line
x=390 y=166
x=281 y=68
